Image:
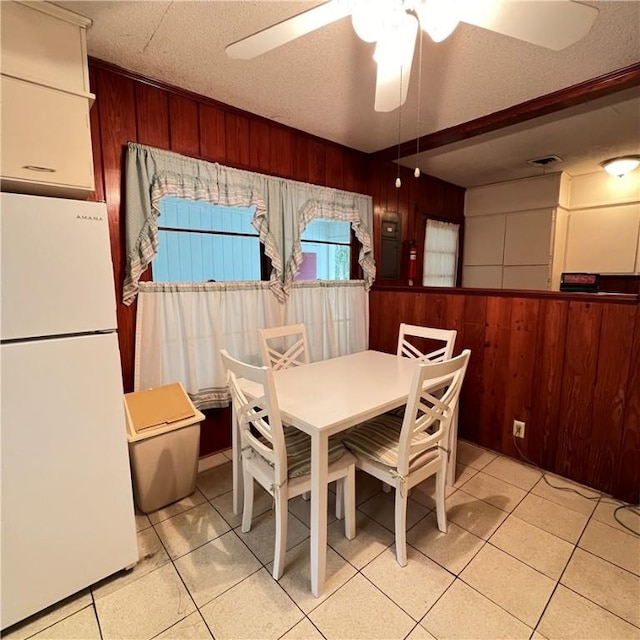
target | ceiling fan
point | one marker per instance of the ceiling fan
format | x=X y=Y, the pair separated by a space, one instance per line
x=393 y=25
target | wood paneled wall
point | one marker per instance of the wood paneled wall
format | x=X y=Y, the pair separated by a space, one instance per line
x=568 y=366
x=130 y=108
x=415 y=200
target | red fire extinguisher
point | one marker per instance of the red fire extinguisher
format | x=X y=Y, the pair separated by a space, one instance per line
x=413 y=262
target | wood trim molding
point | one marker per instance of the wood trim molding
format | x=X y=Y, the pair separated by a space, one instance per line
x=624 y=298
x=550 y=103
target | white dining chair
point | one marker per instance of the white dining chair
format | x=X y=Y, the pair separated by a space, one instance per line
x=409 y=350
x=284 y=347
x=292 y=351
x=402 y=452
x=278 y=458
x=406 y=349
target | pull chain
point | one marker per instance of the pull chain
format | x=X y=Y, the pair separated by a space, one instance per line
x=416 y=173
x=398 y=181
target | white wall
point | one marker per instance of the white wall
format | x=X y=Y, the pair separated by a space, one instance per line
x=603 y=234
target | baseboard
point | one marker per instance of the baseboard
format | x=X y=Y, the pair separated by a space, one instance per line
x=214 y=460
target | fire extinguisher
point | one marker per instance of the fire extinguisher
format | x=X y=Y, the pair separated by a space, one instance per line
x=413 y=262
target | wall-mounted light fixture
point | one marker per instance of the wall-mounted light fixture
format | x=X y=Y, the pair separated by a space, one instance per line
x=621 y=166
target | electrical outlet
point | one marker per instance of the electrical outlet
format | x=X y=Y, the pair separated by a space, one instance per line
x=518 y=428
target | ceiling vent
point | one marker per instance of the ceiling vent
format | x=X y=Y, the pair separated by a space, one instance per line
x=543 y=162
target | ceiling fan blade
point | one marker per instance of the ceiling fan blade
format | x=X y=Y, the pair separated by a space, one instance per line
x=389 y=79
x=288 y=30
x=394 y=55
x=554 y=25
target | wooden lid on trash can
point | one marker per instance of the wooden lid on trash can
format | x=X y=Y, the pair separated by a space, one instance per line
x=158 y=406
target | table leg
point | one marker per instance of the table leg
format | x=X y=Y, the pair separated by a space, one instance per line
x=319 y=474
x=453 y=444
x=236 y=454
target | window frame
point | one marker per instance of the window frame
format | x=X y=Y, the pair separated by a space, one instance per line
x=355 y=269
x=265 y=263
x=421 y=246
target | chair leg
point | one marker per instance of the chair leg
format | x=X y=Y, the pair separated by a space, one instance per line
x=401 y=526
x=282 y=513
x=340 y=498
x=247 y=509
x=441 y=509
x=349 y=500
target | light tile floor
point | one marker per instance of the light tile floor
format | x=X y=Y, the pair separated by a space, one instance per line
x=520 y=560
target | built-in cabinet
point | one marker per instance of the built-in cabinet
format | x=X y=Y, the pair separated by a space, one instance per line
x=45 y=101
x=523 y=234
x=510 y=234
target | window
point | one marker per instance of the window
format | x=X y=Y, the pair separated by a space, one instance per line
x=440 y=254
x=199 y=242
x=326 y=250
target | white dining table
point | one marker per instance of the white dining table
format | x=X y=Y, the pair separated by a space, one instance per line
x=323 y=398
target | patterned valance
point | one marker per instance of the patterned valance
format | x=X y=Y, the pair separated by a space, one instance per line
x=283 y=208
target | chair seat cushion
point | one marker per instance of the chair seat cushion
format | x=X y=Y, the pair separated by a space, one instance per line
x=298 y=446
x=378 y=439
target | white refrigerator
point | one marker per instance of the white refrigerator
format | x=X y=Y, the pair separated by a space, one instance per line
x=67 y=516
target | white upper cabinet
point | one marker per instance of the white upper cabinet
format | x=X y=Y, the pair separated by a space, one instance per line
x=45 y=101
x=44 y=44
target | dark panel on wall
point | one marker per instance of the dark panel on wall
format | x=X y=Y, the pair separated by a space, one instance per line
x=578 y=380
x=212 y=134
x=609 y=392
x=569 y=368
x=282 y=152
x=542 y=436
x=523 y=334
x=494 y=371
x=183 y=125
x=317 y=162
x=238 y=140
x=334 y=159
x=627 y=475
x=117 y=127
x=260 y=146
x=301 y=160
x=152 y=116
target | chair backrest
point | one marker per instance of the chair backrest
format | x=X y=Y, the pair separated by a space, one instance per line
x=284 y=347
x=408 y=350
x=259 y=421
x=435 y=390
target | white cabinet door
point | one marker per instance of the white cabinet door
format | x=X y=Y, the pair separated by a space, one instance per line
x=482 y=277
x=484 y=240
x=528 y=238
x=44 y=43
x=46 y=138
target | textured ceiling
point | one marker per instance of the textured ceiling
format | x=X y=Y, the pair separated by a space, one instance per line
x=323 y=83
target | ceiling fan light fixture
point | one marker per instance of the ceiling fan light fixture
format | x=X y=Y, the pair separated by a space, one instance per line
x=395 y=46
x=437 y=18
x=621 y=166
x=368 y=18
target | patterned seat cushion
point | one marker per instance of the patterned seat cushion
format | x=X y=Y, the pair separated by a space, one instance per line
x=298 y=446
x=378 y=439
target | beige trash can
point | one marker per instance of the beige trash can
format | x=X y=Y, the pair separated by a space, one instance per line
x=163 y=429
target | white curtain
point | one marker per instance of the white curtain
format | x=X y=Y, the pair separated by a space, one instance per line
x=182 y=327
x=440 y=254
